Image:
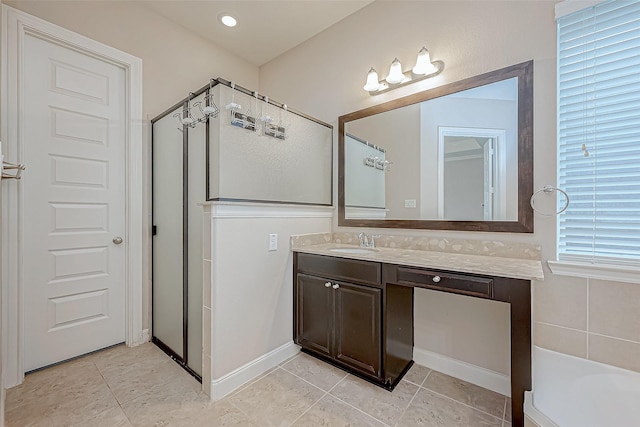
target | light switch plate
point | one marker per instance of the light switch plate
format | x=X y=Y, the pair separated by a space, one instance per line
x=273 y=242
x=410 y=203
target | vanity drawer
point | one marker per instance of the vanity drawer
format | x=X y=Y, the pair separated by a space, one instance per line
x=449 y=282
x=348 y=270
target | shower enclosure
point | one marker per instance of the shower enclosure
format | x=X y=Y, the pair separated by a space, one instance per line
x=233 y=146
x=178 y=186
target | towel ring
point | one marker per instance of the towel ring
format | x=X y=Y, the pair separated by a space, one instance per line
x=549 y=189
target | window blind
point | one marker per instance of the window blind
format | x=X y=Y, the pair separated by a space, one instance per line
x=599 y=133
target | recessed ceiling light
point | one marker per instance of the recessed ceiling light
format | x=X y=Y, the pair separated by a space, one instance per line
x=228 y=20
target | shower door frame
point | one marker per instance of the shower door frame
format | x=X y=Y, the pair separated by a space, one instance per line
x=184 y=359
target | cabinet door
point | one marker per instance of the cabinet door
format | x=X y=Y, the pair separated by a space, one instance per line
x=358 y=328
x=314 y=314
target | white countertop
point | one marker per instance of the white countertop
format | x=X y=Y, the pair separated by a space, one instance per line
x=515 y=268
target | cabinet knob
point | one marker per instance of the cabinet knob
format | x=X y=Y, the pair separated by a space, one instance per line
x=336 y=286
x=327 y=285
x=436 y=279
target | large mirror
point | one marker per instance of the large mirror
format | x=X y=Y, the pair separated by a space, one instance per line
x=456 y=157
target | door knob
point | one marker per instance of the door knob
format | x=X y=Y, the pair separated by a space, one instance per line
x=336 y=286
x=436 y=279
x=117 y=240
x=327 y=285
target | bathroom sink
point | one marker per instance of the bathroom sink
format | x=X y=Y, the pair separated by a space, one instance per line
x=353 y=250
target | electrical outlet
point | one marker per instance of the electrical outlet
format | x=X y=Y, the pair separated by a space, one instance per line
x=273 y=242
x=410 y=203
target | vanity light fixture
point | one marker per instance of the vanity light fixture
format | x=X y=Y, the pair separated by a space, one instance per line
x=424 y=69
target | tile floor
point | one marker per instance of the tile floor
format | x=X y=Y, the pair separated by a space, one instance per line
x=142 y=387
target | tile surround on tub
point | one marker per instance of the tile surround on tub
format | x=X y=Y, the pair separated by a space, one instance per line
x=613 y=309
x=561 y=301
x=428 y=243
x=560 y=339
x=612 y=351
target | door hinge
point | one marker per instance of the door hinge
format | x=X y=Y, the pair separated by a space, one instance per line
x=154 y=230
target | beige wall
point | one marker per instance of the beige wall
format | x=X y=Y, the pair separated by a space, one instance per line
x=594 y=319
x=251 y=307
x=175 y=62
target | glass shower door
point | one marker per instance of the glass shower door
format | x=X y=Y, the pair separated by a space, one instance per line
x=179 y=187
x=168 y=240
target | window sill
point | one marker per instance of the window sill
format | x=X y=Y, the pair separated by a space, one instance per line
x=616 y=273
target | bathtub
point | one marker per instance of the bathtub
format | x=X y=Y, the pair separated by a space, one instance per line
x=573 y=392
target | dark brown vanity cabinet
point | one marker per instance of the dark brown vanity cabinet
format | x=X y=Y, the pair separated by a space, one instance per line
x=359 y=315
x=314 y=314
x=345 y=314
x=337 y=318
x=341 y=321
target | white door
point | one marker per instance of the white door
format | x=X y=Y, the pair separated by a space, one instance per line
x=489 y=179
x=73 y=117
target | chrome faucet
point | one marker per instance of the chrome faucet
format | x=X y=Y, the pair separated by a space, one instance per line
x=367 y=241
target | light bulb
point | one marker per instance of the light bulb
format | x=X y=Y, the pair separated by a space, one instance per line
x=372 y=81
x=423 y=63
x=395 y=72
x=228 y=20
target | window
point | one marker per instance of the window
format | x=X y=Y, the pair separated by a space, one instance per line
x=599 y=133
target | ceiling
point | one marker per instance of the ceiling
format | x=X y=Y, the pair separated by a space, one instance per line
x=266 y=28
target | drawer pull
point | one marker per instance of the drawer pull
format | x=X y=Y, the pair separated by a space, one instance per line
x=436 y=279
x=327 y=285
x=336 y=286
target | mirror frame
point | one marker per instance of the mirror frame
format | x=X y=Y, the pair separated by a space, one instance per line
x=524 y=224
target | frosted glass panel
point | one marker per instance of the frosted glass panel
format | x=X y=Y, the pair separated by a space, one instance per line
x=196 y=187
x=167 y=243
x=247 y=165
x=364 y=182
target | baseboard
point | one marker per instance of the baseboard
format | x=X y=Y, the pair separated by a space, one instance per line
x=226 y=384
x=145 y=336
x=477 y=375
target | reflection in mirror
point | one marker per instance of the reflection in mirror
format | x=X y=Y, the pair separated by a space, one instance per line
x=455 y=157
x=365 y=177
x=470 y=182
x=451 y=155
